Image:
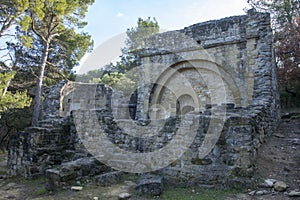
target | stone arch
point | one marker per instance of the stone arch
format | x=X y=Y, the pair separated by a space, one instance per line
x=198 y=79
x=185 y=104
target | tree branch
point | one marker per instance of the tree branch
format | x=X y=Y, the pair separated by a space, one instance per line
x=55 y=69
x=6 y=25
x=35 y=31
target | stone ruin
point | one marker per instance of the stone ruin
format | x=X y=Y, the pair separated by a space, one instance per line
x=210 y=87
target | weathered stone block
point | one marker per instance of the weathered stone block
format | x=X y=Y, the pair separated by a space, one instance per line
x=108 y=178
x=149 y=185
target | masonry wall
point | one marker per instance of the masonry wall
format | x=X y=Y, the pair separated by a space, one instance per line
x=228 y=61
x=220 y=73
x=234 y=52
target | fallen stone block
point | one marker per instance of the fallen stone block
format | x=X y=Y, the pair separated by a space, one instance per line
x=69 y=172
x=149 y=185
x=76 y=188
x=124 y=196
x=109 y=178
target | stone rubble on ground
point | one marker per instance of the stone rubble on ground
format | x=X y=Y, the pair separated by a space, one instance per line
x=277 y=186
x=76 y=188
x=296 y=141
x=280 y=186
x=259 y=192
x=270 y=182
x=124 y=196
x=294 y=193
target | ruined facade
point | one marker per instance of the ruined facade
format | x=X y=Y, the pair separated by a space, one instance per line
x=219 y=75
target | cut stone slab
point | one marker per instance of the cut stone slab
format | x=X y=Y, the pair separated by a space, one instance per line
x=259 y=193
x=124 y=196
x=76 y=188
x=149 y=185
x=70 y=171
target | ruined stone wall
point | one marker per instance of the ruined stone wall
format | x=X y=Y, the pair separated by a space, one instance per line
x=224 y=61
x=218 y=74
x=54 y=141
x=215 y=63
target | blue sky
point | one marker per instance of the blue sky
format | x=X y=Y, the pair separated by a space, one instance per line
x=108 y=19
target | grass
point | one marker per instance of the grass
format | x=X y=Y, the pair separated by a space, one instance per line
x=36 y=187
x=180 y=193
x=130 y=177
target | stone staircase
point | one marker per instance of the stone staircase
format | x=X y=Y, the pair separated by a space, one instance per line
x=52 y=149
x=48 y=145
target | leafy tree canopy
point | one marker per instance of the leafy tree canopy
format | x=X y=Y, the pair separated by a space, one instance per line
x=49 y=40
x=123 y=74
x=285 y=16
x=9 y=100
x=137 y=35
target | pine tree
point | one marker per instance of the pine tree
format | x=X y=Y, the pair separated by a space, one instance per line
x=48 y=29
x=9 y=100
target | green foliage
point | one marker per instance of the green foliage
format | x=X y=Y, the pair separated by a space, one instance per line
x=137 y=35
x=89 y=76
x=50 y=41
x=69 y=47
x=10 y=12
x=118 y=81
x=181 y=193
x=288 y=100
x=18 y=118
x=112 y=79
x=123 y=76
x=286 y=25
x=11 y=122
x=54 y=23
x=282 y=11
x=9 y=100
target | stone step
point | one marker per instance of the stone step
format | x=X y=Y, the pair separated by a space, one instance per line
x=38 y=129
x=70 y=172
x=51 y=122
x=149 y=184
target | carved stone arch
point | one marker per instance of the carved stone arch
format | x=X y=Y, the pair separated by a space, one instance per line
x=185 y=104
x=198 y=79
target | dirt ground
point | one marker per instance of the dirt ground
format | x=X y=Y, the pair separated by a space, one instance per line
x=278 y=158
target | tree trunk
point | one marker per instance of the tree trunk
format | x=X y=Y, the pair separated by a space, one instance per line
x=39 y=85
x=6 y=25
x=6 y=88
